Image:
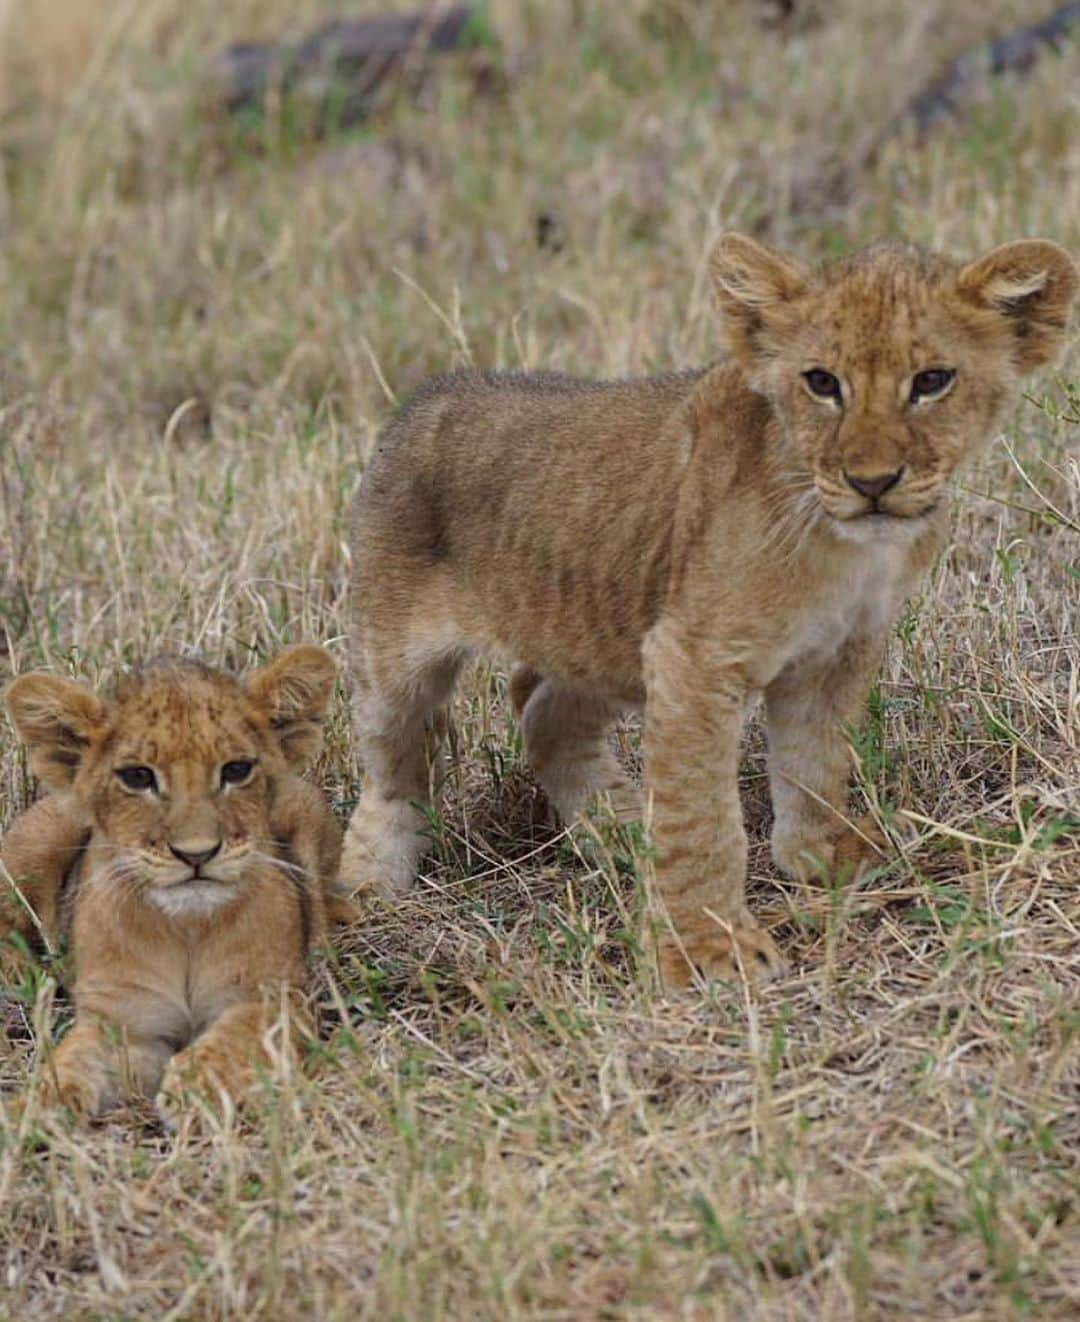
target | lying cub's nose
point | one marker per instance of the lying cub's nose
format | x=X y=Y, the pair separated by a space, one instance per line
x=193 y=857
x=873 y=486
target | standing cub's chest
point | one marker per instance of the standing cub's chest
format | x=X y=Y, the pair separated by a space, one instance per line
x=858 y=598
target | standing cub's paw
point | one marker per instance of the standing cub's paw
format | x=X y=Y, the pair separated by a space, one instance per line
x=382 y=849
x=743 y=950
x=843 y=855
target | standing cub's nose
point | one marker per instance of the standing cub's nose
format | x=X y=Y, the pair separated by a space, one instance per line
x=195 y=858
x=872 y=487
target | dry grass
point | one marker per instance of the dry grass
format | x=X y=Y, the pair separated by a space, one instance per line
x=200 y=323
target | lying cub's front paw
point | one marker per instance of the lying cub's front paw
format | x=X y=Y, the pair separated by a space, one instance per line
x=208 y=1076
x=80 y=1095
x=745 y=950
x=845 y=855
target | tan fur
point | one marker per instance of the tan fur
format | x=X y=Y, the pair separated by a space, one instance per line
x=181 y=963
x=688 y=542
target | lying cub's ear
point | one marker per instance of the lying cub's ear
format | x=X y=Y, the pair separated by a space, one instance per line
x=55 y=718
x=1032 y=282
x=750 y=281
x=295 y=689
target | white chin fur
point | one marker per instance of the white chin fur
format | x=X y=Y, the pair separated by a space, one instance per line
x=871 y=530
x=190 y=898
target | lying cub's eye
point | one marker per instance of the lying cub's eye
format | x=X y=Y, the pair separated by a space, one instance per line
x=823 y=384
x=235 y=773
x=137 y=778
x=928 y=384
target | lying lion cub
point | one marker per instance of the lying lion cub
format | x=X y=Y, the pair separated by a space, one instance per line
x=185 y=859
x=688 y=542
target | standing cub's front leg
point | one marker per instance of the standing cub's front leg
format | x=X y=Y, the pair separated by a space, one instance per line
x=807 y=707
x=693 y=719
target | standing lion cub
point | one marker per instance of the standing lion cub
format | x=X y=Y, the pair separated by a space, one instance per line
x=688 y=543
x=187 y=863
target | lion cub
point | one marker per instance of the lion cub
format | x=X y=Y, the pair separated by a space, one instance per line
x=187 y=863
x=688 y=543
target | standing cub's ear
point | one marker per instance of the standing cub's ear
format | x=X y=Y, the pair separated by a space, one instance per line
x=295 y=690
x=1031 y=282
x=751 y=281
x=56 y=720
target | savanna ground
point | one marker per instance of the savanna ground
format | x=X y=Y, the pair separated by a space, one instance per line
x=202 y=322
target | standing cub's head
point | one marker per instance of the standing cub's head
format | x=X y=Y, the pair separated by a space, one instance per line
x=178 y=772
x=889 y=368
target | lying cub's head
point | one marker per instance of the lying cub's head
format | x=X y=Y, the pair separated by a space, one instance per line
x=889 y=368
x=177 y=773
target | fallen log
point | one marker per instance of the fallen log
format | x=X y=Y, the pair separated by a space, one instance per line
x=346 y=60
x=1015 y=52
x=833 y=182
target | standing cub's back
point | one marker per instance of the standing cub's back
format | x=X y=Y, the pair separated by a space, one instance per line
x=483 y=478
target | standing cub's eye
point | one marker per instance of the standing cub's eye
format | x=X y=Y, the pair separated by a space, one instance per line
x=823 y=384
x=137 y=778
x=235 y=773
x=928 y=384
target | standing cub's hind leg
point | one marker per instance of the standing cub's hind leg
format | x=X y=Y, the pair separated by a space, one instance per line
x=565 y=735
x=396 y=724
